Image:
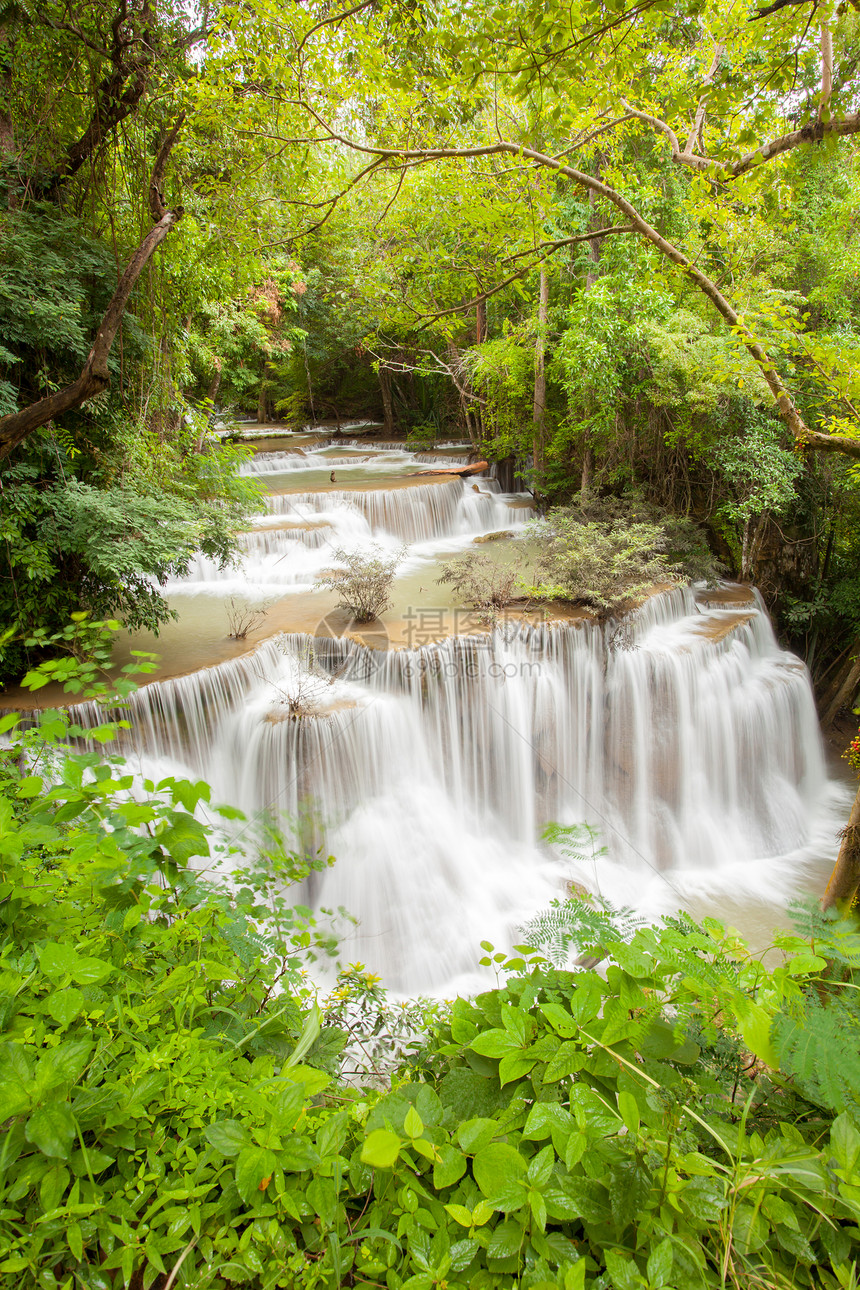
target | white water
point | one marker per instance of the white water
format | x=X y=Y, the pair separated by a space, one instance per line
x=429 y=773
x=299 y=536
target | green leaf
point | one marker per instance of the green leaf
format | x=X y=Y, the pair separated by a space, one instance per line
x=75 y=1239
x=628 y=1109
x=569 y=1059
x=460 y=1214
x=254 y=1169
x=297 y=1155
x=560 y=1020
x=845 y=1143
x=30 y=786
x=514 y=1067
x=226 y=1136
x=413 y=1125
x=64 y=1005
x=495 y=1043
x=541 y=1167
x=57 y=960
x=500 y=1171
x=450 y=1167
x=51 y=1128
x=476 y=1133
x=622 y=1270
x=506 y=1240
x=381 y=1149
x=89 y=971
x=660 y=1263
x=53 y=1187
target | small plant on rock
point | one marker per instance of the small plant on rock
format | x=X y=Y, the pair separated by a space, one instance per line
x=482 y=584
x=364 y=584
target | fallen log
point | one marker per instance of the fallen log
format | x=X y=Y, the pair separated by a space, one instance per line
x=476 y=468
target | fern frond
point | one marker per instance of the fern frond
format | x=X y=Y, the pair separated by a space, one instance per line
x=568 y=926
x=819 y=1046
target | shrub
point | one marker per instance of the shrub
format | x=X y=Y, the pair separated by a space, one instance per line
x=364 y=585
x=607 y=552
x=482 y=584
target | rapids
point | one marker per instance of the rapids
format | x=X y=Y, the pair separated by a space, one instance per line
x=686 y=737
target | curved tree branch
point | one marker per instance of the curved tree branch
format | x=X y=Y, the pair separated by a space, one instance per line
x=787 y=407
x=95 y=376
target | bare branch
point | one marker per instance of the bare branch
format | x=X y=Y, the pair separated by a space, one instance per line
x=686 y=157
x=814 y=132
x=826 y=69
x=699 y=118
x=328 y=22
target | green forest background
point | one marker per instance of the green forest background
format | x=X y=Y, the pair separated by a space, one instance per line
x=616 y=248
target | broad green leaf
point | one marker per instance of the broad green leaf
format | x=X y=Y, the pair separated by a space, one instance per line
x=514 y=1067
x=476 y=1133
x=57 y=960
x=450 y=1168
x=381 y=1149
x=297 y=1155
x=500 y=1170
x=90 y=971
x=495 y=1043
x=254 y=1169
x=226 y=1136
x=413 y=1125
x=51 y=1128
x=64 y=1005
x=660 y=1263
x=628 y=1109
x=460 y=1214
x=506 y=1240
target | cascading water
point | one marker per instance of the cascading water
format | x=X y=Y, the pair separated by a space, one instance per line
x=689 y=740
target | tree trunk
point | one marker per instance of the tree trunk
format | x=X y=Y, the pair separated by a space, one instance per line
x=539 y=412
x=587 y=469
x=480 y=322
x=262 y=403
x=590 y=279
x=387 y=401
x=844 y=693
x=843 y=883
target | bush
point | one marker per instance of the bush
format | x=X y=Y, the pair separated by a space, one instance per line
x=608 y=552
x=482 y=584
x=364 y=585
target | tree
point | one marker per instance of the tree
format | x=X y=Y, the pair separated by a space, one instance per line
x=714 y=70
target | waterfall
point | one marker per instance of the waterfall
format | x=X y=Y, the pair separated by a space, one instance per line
x=418 y=513
x=688 y=739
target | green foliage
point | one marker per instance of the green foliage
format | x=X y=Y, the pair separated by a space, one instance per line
x=172 y=1099
x=55 y=282
x=73 y=545
x=363 y=584
x=605 y=552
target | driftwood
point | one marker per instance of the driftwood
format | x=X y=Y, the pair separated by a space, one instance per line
x=476 y=468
